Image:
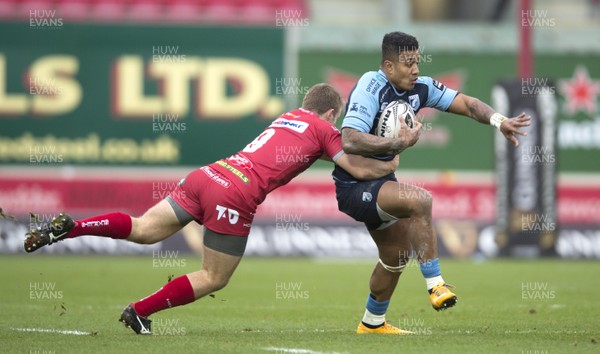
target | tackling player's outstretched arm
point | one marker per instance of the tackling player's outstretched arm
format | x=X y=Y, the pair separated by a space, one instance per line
x=481 y=112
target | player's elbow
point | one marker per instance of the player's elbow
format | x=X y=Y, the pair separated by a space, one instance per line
x=350 y=142
x=350 y=146
x=347 y=146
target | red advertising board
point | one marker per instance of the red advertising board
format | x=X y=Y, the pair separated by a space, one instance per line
x=309 y=197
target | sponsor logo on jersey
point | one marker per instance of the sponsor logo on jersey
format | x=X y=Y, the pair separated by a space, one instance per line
x=216 y=177
x=294 y=125
x=373 y=86
x=354 y=107
x=438 y=85
x=233 y=170
x=363 y=110
x=414 y=101
x=240 y=160
x=370 y=85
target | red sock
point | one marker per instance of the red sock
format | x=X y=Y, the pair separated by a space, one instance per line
x=177 y=292
x=113 y=225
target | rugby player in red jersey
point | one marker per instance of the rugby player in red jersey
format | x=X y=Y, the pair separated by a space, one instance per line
x=223 y=196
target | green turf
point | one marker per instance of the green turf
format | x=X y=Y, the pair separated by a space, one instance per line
x=493 y=313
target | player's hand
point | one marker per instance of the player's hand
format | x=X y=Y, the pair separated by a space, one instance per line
x=511 y=126
x=408 y=136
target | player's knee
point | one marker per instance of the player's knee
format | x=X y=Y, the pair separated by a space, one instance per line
x=423 y=203
x=148 y=240
x=141 y=232
x=389 y=255
x=219 y=282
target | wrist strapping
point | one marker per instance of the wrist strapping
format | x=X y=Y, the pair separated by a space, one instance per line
x=496 y=120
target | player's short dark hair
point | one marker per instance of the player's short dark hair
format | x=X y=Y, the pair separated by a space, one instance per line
x=322 y=97
x=395 y=43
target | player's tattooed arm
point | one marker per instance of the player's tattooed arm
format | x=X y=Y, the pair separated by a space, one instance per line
x=359 y=143
x=481 y=112
x=472 y=108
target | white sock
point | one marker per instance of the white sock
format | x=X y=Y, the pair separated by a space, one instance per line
x=431 y=282
x=373 y=320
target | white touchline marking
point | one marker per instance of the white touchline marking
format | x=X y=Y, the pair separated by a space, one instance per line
x=296 y=350
x=49 y=330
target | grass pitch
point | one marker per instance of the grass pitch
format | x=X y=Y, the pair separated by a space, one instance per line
x=70 y=304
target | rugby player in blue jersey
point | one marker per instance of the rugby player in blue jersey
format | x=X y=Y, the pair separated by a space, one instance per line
x=398 y=215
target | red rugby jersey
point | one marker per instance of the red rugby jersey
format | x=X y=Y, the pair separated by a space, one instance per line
x=286 y=148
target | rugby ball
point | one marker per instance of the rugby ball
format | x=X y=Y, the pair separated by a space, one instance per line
x=388 y=125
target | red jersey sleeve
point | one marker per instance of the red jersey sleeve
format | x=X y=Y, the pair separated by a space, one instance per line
x=331 y=140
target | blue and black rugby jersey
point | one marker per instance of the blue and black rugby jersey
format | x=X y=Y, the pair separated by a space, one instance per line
x=373 y=92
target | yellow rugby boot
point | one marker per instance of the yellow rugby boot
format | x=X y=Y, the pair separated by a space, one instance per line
x=442 y=297
x=385 y=329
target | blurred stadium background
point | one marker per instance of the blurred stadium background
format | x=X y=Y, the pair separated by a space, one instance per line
x=106 y=105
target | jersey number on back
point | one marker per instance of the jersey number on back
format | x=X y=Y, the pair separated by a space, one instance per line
x=259 y=141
